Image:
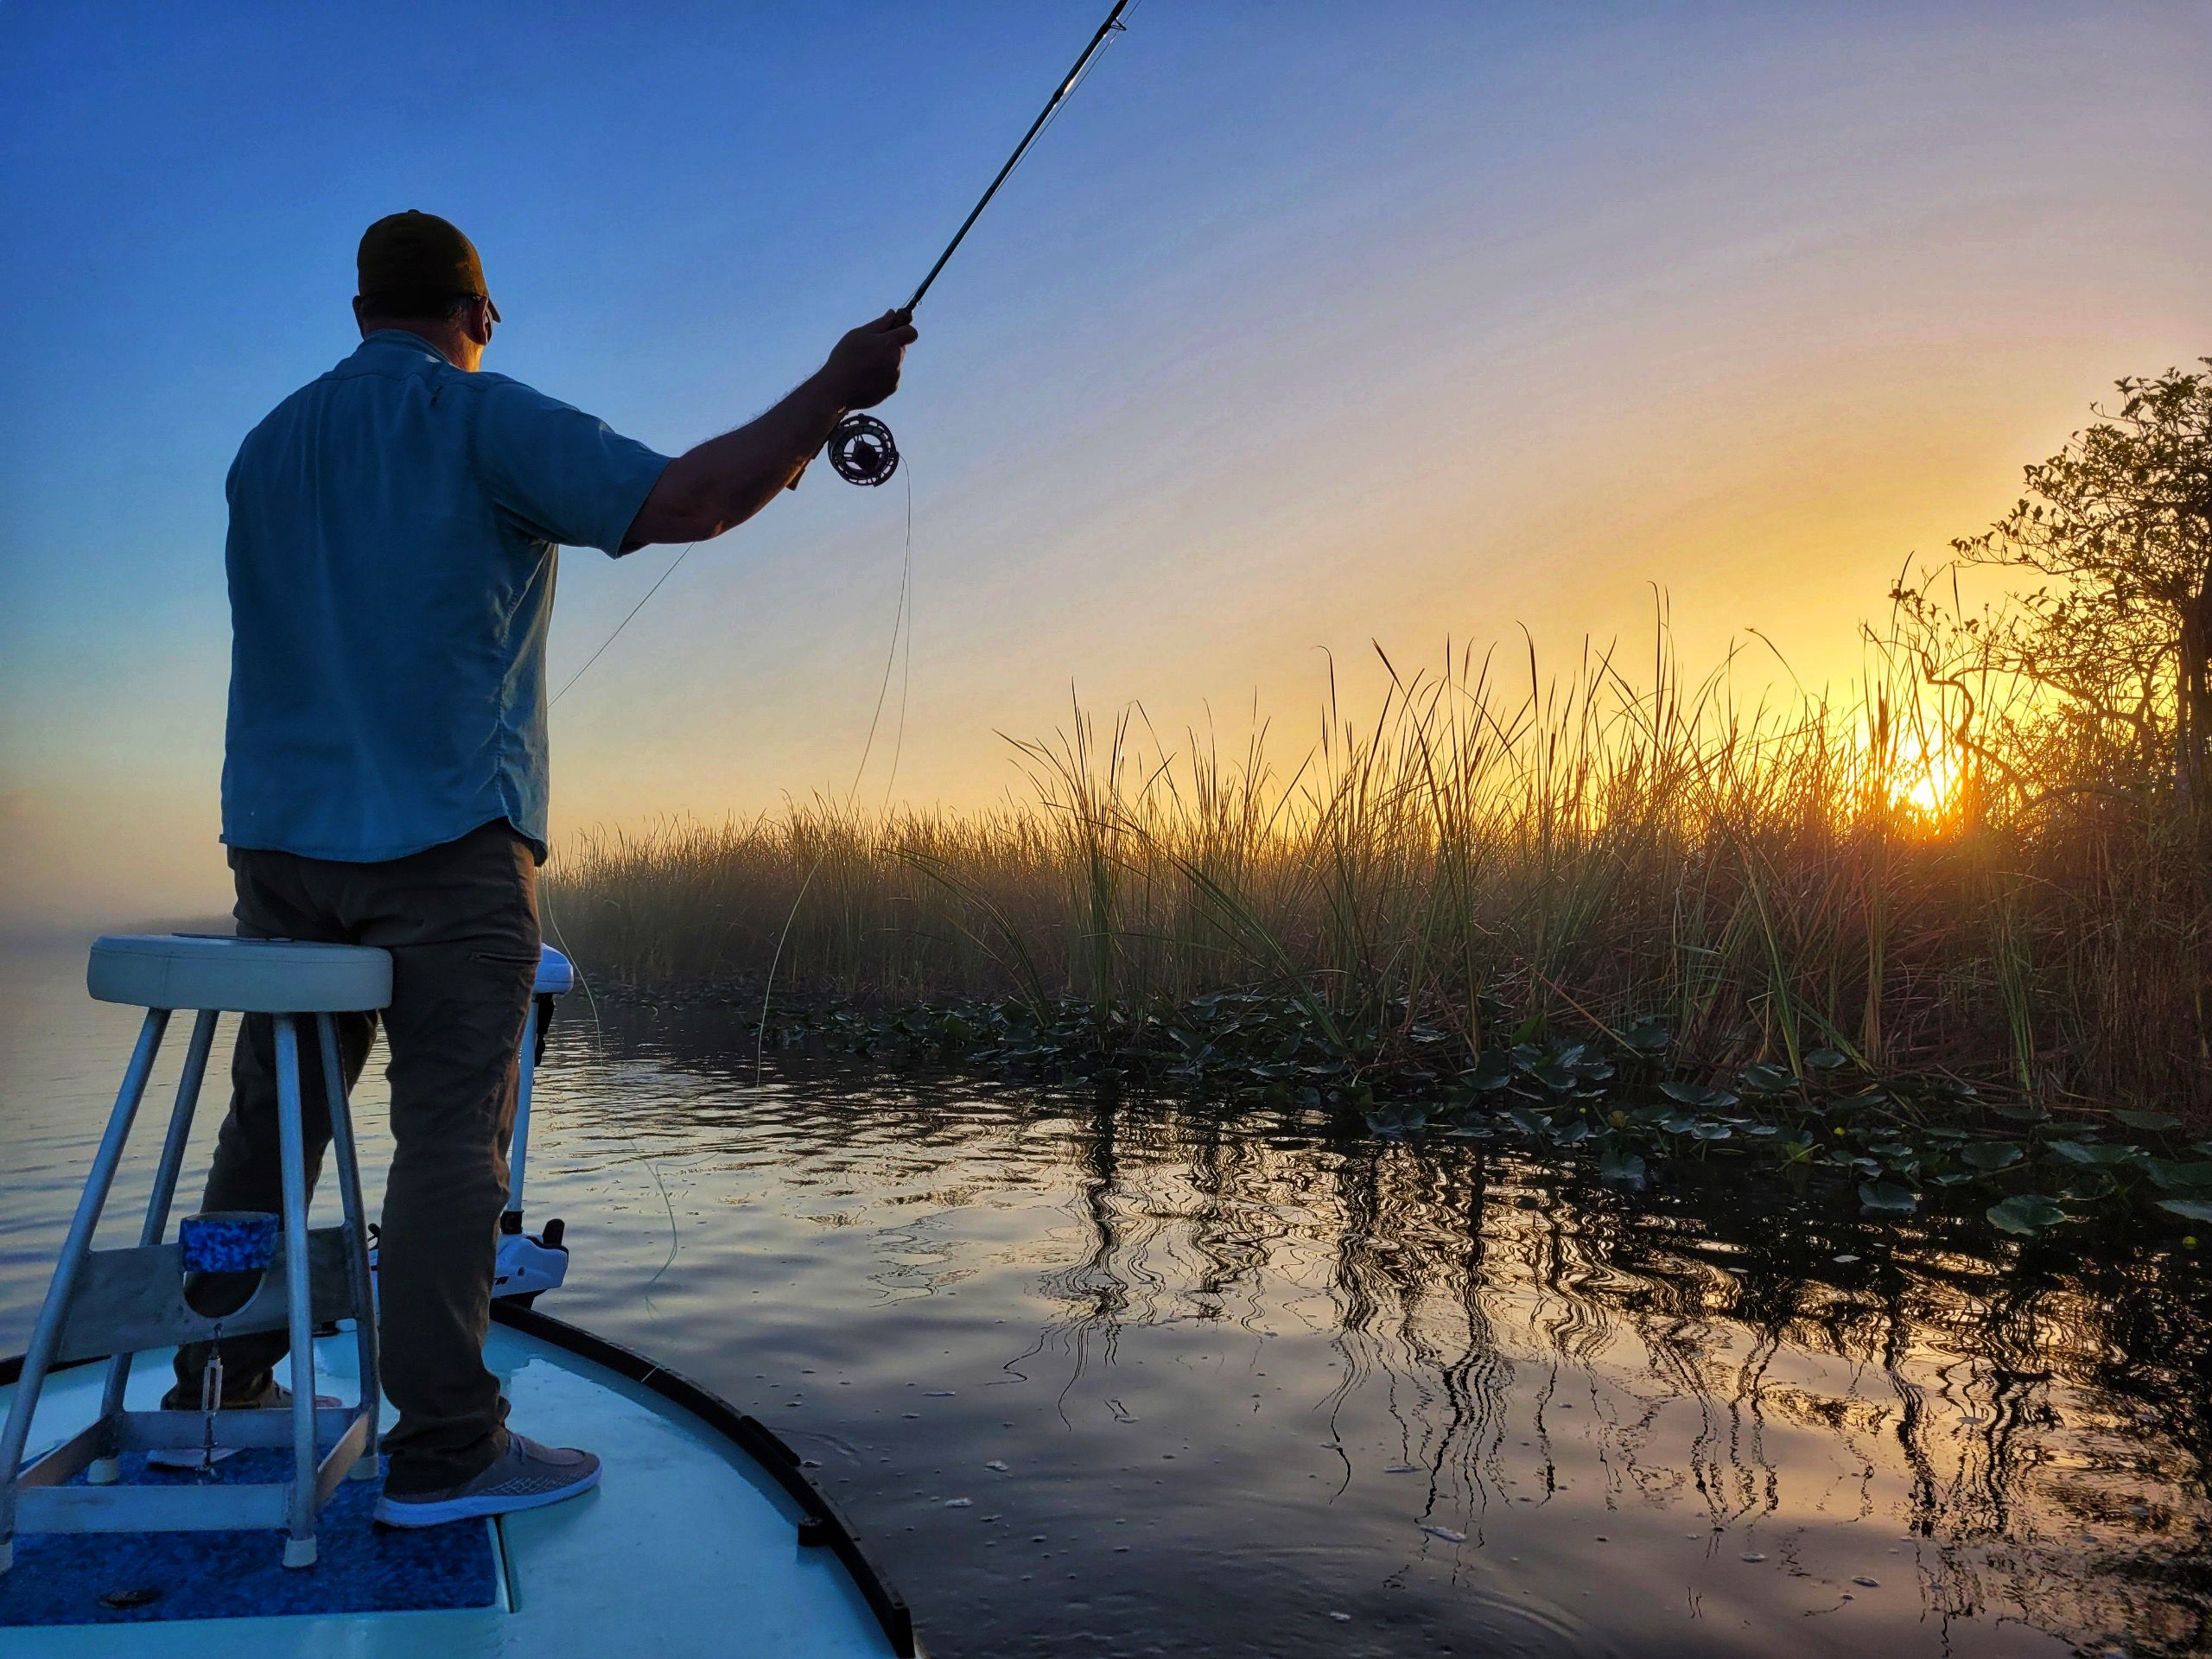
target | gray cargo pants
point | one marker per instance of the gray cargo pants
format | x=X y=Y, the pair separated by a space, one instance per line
x=460 y=921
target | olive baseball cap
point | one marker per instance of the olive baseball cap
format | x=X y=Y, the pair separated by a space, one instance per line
x=417 y=260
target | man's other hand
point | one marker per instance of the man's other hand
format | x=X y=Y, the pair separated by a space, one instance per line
x=864 y=367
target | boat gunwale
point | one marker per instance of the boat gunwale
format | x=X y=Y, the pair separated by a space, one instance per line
x=820 y=1521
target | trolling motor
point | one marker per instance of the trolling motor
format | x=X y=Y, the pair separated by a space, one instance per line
x=861 y=448
x=527 y=1264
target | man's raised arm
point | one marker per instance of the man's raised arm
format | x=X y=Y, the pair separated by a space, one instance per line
x=724 y=481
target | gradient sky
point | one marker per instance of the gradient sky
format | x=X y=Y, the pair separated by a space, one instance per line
x=1306 y=325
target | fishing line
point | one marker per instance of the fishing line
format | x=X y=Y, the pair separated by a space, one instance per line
x=901 y=625
x=599 y=1054
x=623 y=624
x=906 y=668
x=591 y=1000
x=901 y=620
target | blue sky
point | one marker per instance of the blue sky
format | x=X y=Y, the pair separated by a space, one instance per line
x=1306 y=324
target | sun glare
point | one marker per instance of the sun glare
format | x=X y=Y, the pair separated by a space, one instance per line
x=1923 y=779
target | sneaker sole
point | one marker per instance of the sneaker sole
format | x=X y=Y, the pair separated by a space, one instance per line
x=184 y=1457
x=438 y=1512
x=188 y=1457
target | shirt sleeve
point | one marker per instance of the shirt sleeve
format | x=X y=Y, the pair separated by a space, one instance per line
x=563 y=475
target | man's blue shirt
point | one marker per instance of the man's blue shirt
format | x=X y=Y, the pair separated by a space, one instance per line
x=394 y=528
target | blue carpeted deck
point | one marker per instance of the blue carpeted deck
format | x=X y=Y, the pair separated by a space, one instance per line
x=137 y=1578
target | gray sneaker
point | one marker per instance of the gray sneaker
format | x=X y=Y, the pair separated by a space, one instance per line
x=528 y=1475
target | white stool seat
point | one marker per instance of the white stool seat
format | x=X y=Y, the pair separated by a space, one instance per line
x=198 y=970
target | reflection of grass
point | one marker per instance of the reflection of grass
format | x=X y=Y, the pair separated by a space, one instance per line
x=1477 y=856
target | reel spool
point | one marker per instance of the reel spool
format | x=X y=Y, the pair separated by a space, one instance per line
x=862 y=450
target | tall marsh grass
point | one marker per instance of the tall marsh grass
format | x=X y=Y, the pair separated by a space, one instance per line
x=1885 y=875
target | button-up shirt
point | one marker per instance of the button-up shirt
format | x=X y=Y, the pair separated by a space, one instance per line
x=393 y=538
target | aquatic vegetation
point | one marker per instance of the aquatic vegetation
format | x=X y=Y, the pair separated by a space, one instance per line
x=1888 y=1146
x=1474 y=859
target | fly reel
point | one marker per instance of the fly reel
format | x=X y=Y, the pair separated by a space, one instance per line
x=862 y=450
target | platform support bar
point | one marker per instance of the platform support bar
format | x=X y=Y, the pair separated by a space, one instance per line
x=107 y=1468
x=292 y=1145
x=356 y=1238
x=46 y=1336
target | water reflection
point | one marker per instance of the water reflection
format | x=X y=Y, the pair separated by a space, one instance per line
x=1229 y=1382
x=2019 y=1437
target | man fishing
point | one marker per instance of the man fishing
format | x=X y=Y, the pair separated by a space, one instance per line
x=393 y=532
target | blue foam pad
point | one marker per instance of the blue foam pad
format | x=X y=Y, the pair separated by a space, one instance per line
x=236 y=1241
x=59 y=1577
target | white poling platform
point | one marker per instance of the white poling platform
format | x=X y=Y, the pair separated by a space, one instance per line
x=691 y=1546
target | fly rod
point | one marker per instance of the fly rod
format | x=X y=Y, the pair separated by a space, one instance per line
x=860 y=448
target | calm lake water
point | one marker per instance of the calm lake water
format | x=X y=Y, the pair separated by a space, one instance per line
x=1129 y=1378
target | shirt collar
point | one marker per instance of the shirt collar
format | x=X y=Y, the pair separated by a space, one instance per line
x=400 y=339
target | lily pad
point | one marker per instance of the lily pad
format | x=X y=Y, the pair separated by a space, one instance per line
x=1529 y=1122
x=2178 y=1177
x=1615 y=1164
x=2025 y=1215
x=1397 y=1118
x=1827 y=1060
x=2090 y=1155
x=1991 y=1156
x=1888 y=1198
x=1492 y=1071
x=2160 y=1120
x=1763 y=1079
x=2188 y=1209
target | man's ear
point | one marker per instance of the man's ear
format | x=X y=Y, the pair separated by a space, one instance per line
x=359 y=322
x=479 y=321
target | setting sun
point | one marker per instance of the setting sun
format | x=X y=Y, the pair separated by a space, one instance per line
x=1923 y=777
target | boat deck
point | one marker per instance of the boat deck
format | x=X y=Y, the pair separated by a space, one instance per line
x=692 y=1545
